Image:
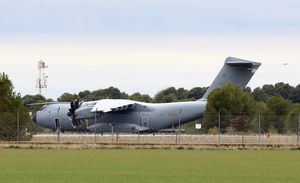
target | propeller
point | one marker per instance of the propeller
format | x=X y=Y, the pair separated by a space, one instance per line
x=73 y=106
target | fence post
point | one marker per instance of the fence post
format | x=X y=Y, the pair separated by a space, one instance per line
x=219 y=131
x=243 y=138
x=112 y=133
x=179 y=121
x=18 y=124
x=95 y=126
x=298 y=130
x=259 y=133
x=58 y=140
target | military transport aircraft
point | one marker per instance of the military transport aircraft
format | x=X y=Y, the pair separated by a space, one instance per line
x=132 y=116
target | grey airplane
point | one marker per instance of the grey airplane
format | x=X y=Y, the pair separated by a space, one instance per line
x=129 y=116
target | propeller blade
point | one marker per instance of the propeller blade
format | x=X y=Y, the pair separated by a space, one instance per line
x=73 y=106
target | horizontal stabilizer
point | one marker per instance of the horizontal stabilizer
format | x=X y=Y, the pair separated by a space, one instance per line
x=240 y=62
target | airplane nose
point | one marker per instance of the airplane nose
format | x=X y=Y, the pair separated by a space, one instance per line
x=34 y=118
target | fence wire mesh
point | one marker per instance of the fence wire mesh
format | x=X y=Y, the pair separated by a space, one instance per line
x=215 y=129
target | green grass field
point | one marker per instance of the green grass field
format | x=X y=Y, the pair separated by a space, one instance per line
x=137 y=165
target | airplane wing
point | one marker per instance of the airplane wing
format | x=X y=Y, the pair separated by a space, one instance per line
x=109 y=105
x=46 y=103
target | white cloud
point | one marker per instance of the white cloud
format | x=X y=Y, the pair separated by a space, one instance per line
x=152 y=17
x=145 y=45
x=148 y=64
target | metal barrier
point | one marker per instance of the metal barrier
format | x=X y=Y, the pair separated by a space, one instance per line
x=216 y=129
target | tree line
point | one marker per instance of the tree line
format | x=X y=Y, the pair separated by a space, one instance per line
x=277 y=104
x=239 y=111
x=171 y=94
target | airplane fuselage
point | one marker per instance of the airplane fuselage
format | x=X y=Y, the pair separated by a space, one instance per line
x=145 y=116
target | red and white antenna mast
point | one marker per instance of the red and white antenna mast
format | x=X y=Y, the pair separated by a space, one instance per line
x=41 y=82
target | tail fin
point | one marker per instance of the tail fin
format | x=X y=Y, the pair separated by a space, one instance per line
x=235 y=71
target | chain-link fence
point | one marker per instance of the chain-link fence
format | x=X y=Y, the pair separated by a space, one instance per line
x=16 y=126
x=251 y=124
x=215 y=129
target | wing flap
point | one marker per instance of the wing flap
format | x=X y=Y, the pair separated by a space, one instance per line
x=109 y=105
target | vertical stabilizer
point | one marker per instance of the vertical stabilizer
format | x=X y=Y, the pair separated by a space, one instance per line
x=235 y=71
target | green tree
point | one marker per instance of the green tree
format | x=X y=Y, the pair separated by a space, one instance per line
x=30 y=99
x=247 y=89
x=284 y=90
x=264 y=114
x=259 y=95
x=167 y=95
x=196 y=93
x=139 y=97
x=67 y=97
x=111 y=93
x=182 y=94
x=10 y=106
x=263 y=94
x=292 y=120
x=235 y=106
x=8 y=98
x=278 y=108
x=240 y=123
x=85 y=95
x=296 y=96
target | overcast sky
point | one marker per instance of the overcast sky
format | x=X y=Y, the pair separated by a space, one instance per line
x=145 y=46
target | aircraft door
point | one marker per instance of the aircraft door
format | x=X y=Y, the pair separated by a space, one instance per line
x=144 y=121
x=57 y=124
